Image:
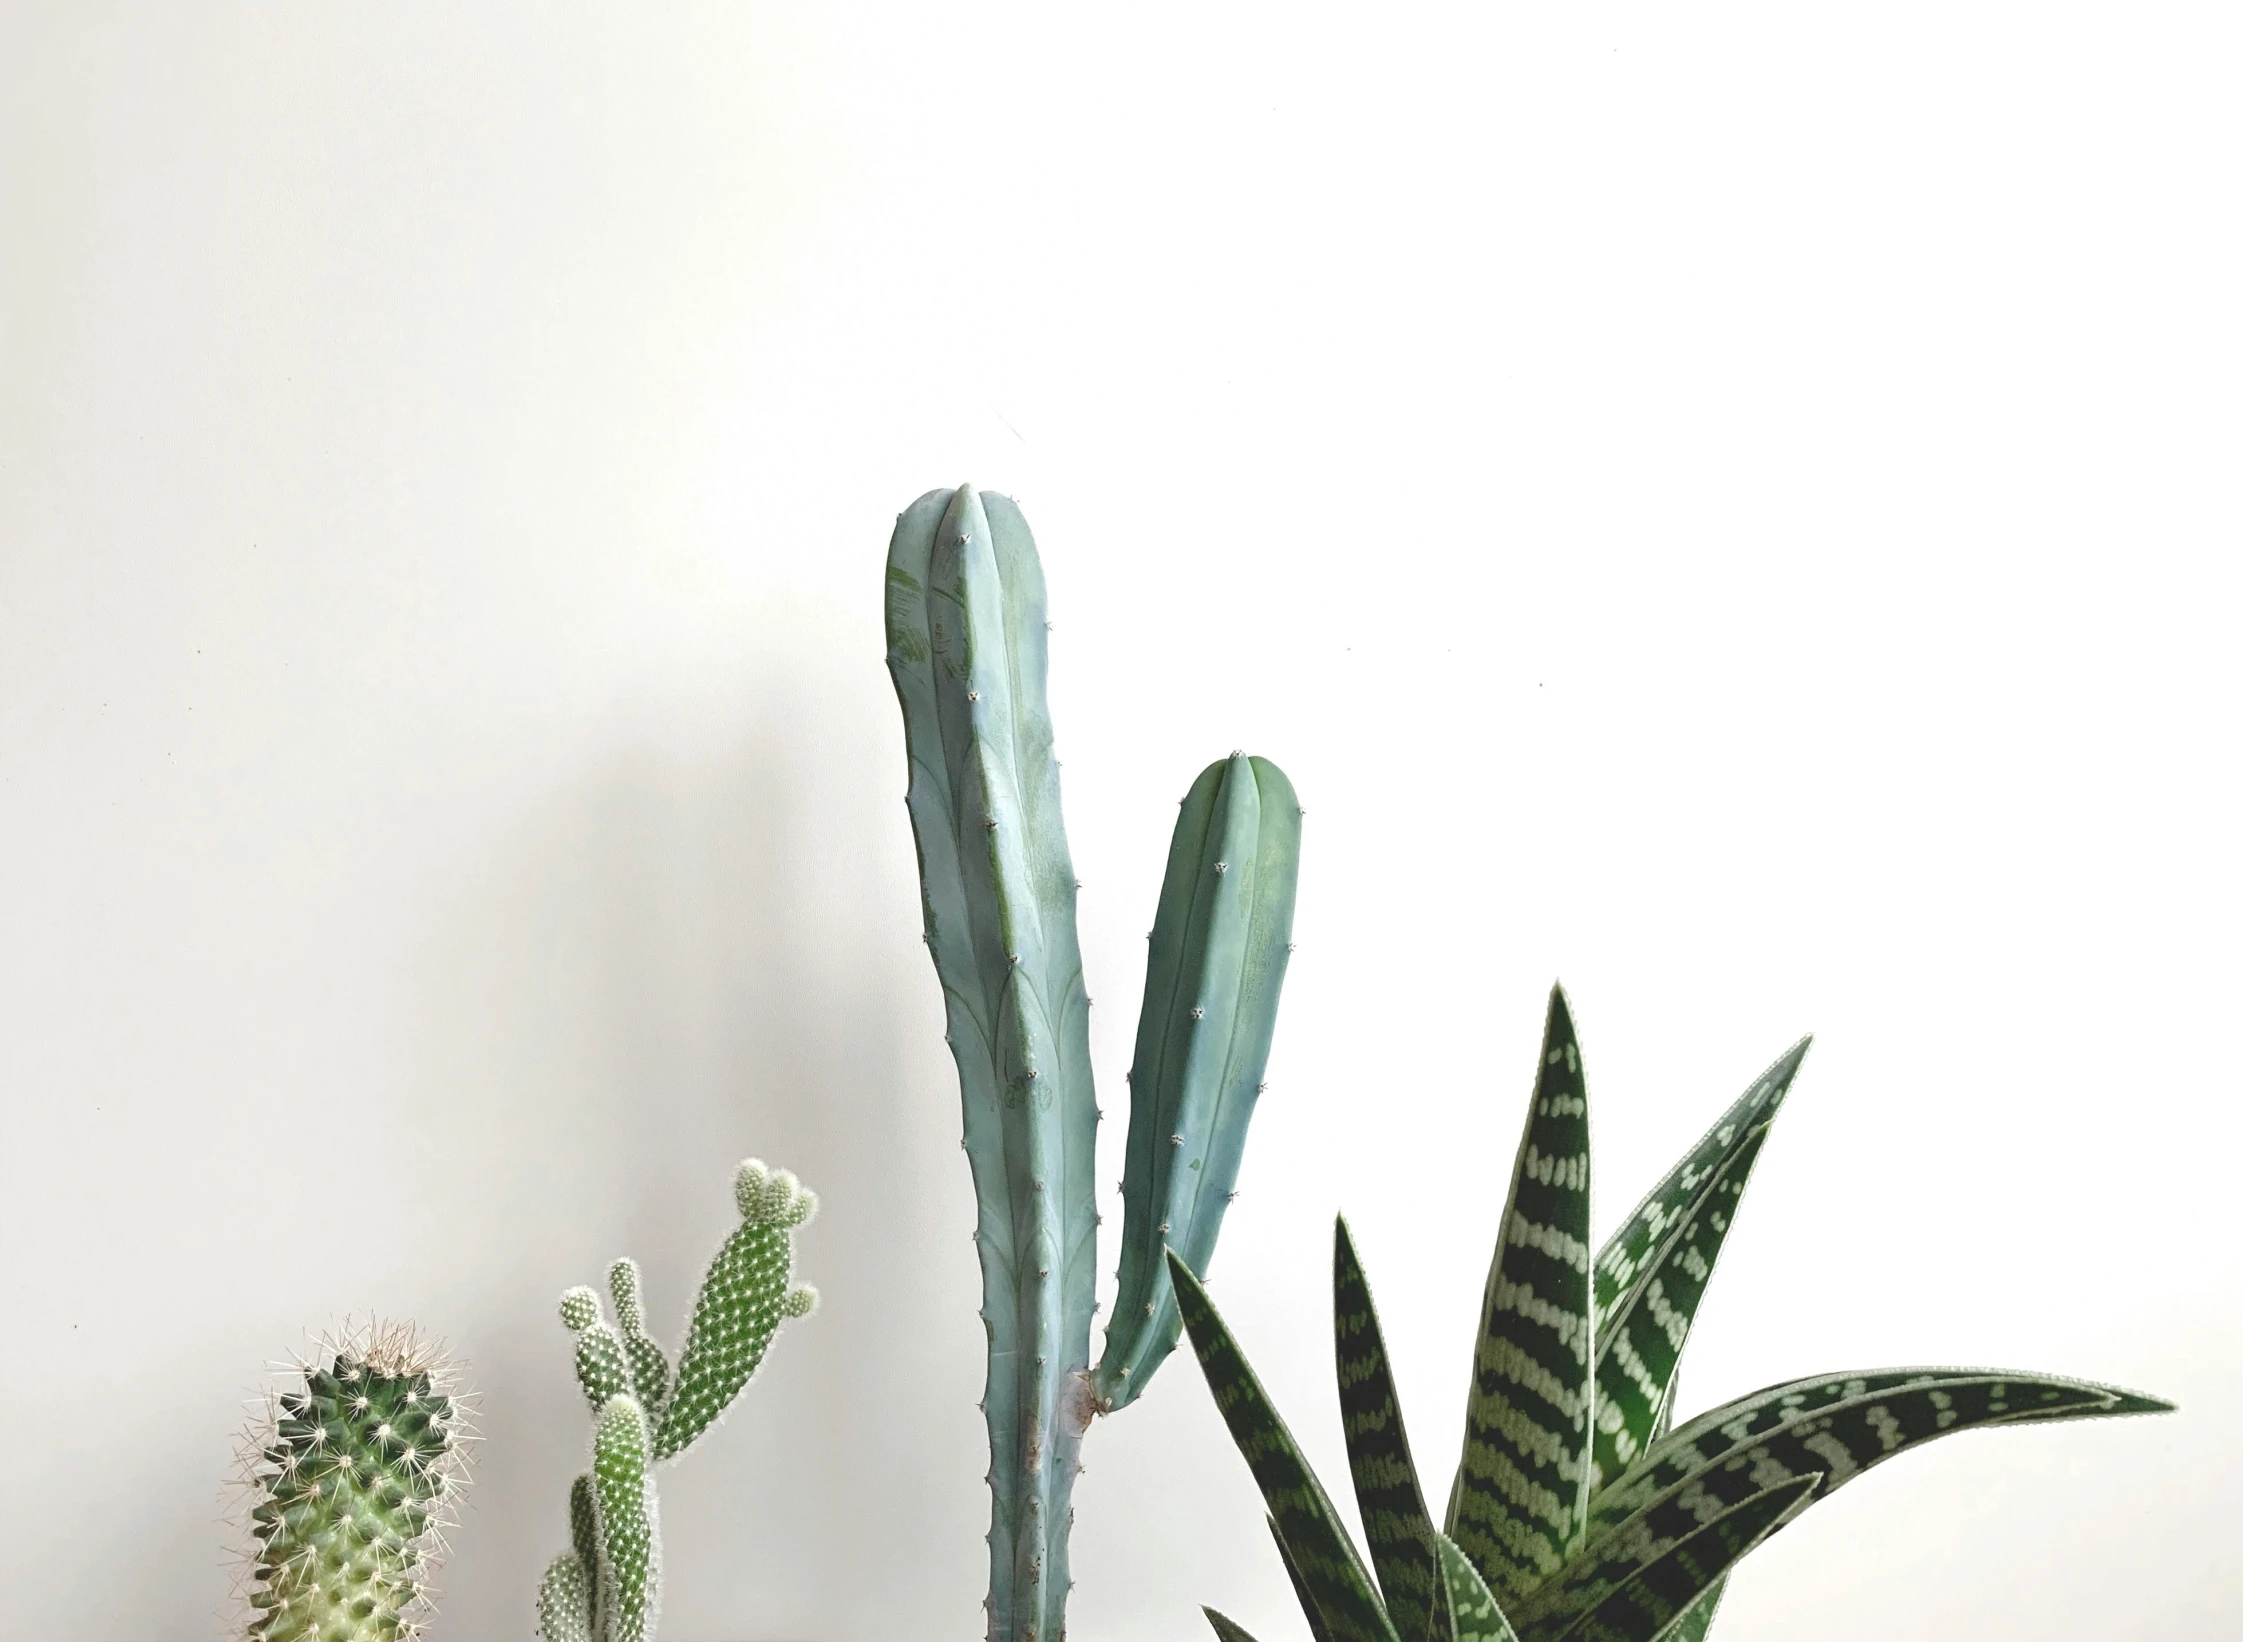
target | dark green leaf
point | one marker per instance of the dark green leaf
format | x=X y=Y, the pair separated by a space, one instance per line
x=1622 y=1258
x=1230 y=1630
x=1324 y=1558
x=1652 y=1274
x=1832 y=1427
x=1640 y=1341
x=1316 y=1627
x=1522 y=1489
x=1396 y=1526
x=1694 y=1625
x=1472 y=1606
x=1651 y=1603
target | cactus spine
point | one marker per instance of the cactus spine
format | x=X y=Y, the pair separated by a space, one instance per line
x=607 y=1587
x=352 y=1476
x=966 y=650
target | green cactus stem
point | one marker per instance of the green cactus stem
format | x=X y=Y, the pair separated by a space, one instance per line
x=564 y=1601
x=353 y=1475
x=650 y=1365
x=966 y=650
x=745 y=1296
x=1215 y=965
x=630 y=1546
x=966 y=633
x=607 y=1586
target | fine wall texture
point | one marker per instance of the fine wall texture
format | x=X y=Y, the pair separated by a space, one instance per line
x=1731 y=510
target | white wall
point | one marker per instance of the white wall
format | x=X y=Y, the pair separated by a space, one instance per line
x=1732 y=506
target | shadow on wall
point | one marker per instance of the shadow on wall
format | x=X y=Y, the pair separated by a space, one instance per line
x=680 y=960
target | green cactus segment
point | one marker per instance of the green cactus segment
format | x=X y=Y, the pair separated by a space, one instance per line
x=1830 y=1428
x=564 y=1610
x=603 y=1368
x=584 y=1535
x=1322 y=1557
x=650 y=1365
x=1214 y=969
x=1639 y=1342
x=743 y=1299
x=350 y=1478
x=630 y=1546
x=1652 y=1601
x=966 y=650
x=1472 y=1606
x=1229 y=1630
x=1521 y=1494
x=1404 y=1545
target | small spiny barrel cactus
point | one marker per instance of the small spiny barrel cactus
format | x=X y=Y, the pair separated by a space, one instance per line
x=352 y=1476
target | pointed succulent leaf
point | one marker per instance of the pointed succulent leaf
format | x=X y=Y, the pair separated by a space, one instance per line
x=1475 y=1613
x=741 y=1304
x=1229 y=1630
x=564 y=1611
x=1652 y=1273
x=1650 y=1604
x=630 y=1544
x=1324 y=1559
x=1521 y=1493
x=1621 y=1261
x=1214 y=967
x=1396 y=1527
x=584 y=1536
x=1317 y=1629
x=1693 y=1625
x=1639 y=1340
x=1831 y=1427
x=1698 y=1619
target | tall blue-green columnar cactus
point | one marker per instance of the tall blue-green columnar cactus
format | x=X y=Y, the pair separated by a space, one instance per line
x=607 y=1587
x=966 y=635
x=351 y=1476
x=1580 y=1512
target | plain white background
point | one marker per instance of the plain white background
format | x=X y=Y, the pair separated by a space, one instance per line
x=1734 y=506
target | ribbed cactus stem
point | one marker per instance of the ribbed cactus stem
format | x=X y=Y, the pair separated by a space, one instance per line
x=966 y=634
x=352 y=1473
x=1215 y=963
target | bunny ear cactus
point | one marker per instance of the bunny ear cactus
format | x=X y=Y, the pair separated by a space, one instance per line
x=966 y=650
x=1577 y=1515
x=353 y=1475
x=607 y=1587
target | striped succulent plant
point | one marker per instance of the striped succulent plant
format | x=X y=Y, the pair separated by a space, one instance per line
x=1577 y=1514
x=607 y=1587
